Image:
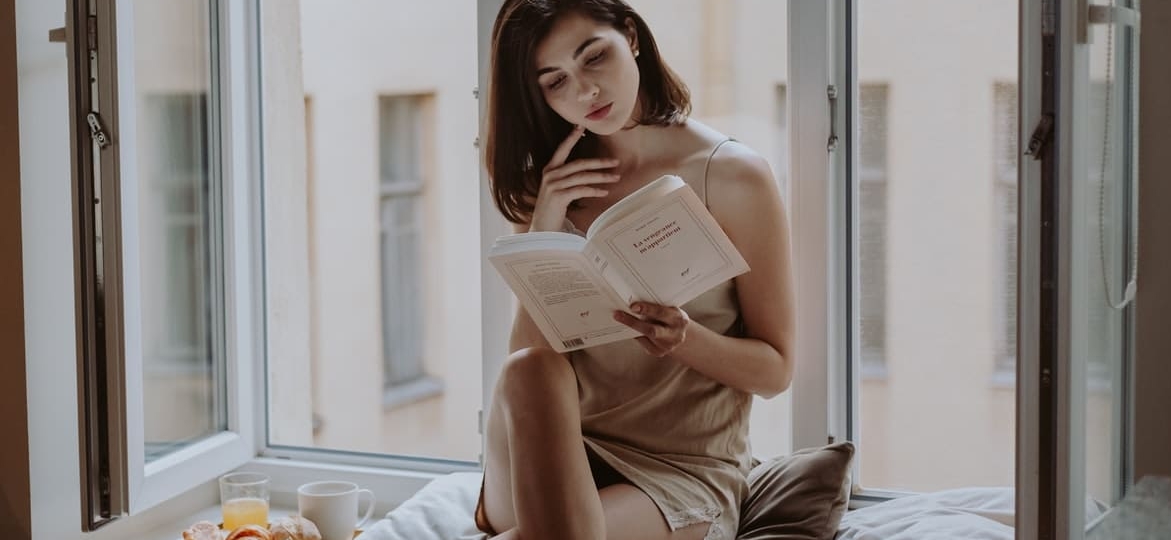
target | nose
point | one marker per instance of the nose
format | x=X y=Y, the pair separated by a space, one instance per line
x=587 y=90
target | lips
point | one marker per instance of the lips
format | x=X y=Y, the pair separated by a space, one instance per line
x=600 y=112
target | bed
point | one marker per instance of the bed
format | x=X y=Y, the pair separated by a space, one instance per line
x=801 y=496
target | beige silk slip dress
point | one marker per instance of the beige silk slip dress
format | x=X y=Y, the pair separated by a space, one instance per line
x=674 y=433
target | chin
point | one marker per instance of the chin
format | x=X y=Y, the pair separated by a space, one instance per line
x=609 y=125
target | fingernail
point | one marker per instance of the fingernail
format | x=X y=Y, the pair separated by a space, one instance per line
x=636 y=308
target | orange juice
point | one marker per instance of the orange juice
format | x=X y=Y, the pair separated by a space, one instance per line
x=245 y=511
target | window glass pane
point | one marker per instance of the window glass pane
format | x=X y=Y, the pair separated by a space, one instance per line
x=1102 y=251
x=743 y=96
x=178 y=224
x=392 y=197
x=935 y=252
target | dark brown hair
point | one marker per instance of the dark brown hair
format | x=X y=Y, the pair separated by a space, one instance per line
x=522 y=130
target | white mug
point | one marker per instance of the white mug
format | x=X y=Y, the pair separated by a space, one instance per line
x=332 y=506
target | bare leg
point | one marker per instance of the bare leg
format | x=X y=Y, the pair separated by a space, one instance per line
x=630 y=515
x=537 y=476
x=537 y=480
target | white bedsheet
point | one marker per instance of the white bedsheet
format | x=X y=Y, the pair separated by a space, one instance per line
x=985 y=513
x=442 y=510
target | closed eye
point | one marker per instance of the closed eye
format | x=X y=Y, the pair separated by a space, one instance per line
x=557 y=83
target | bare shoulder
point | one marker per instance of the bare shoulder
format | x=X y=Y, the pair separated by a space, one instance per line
x=738 y=174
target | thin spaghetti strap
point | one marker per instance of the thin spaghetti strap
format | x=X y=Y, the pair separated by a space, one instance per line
x=708 y=166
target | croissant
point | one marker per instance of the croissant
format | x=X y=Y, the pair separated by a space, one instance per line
x=204 y=530
x=294 y=528
x=250 y=532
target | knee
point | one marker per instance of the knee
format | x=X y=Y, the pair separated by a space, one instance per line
x=533 y=372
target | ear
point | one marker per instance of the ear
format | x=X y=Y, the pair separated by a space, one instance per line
x=631 y=31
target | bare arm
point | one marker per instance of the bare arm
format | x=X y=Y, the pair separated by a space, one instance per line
x=748 y=206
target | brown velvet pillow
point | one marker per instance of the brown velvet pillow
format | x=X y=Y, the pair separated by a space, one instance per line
x=801 y=496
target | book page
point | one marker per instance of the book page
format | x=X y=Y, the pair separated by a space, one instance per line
x=671 y=249
x=636 y=201
x=567 y=299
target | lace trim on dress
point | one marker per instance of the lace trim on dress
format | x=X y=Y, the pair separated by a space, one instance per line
x=693 y=516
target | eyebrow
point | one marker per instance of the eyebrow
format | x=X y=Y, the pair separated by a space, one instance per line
x=576 y=54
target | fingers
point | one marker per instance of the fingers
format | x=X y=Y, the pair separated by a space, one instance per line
x=670 y=316
x=579 y=165
x=581 y=179
x=663 y=328
x=562 y=152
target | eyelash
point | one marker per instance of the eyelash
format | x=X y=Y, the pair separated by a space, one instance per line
x=594 y=59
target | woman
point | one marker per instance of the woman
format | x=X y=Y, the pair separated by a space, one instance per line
x=640 y=439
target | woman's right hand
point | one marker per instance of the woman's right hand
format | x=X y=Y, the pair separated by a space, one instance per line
x=562 y=183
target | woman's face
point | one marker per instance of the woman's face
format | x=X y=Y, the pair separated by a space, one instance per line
x=587 y=73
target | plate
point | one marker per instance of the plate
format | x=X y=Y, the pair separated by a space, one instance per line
x=221 y=526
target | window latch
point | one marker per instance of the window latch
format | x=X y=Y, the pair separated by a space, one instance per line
x=97 y=130
x=1042 y=134
x=831 y=92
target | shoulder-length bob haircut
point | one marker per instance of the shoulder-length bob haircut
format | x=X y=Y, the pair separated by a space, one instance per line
x=522 y=130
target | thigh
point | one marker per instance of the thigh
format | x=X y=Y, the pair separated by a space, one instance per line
x=632 y=515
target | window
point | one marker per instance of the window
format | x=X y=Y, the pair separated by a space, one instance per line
x=205 y=321
x=383 y=237
x=872 y=246
x=1004 y=208
x=182 y=322
x=402 y=137
x=929 y=235
x=780 y=164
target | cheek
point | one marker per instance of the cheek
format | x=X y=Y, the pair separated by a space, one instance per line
x=559 y=104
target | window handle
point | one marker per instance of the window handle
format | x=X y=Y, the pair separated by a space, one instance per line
x=831 y=92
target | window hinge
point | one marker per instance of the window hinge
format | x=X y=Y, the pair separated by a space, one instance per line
x=831 y=92
x=97 y=130
x=480 y=421
x=1042 y=134
x=830 y=439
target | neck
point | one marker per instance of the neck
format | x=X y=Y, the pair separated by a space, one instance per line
x=633 y=146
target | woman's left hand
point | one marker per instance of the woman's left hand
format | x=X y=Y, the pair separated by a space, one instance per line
x=663 y=328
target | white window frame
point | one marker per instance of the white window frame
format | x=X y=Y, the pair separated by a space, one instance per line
x=815 y=254
x=151 y=483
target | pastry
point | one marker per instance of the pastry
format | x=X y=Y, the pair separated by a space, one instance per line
x=204 y=530
x=250 y=532
x=294 y=528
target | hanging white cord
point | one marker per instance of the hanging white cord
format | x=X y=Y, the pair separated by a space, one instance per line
x=1131 y=285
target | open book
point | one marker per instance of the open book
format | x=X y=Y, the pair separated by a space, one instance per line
x=658 y=244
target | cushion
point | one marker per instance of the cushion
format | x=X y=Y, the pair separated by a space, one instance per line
x=800 y=496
